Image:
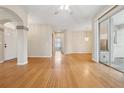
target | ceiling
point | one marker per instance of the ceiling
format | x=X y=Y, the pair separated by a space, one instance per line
x=80 y=19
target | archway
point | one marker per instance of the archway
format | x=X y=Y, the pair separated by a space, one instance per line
x=7 y=15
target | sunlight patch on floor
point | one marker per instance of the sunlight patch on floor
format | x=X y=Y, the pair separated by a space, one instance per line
x=58 y=57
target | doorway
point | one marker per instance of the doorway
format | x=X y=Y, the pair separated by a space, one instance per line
x=58 y=42
x=9 y=46
x=58 y=46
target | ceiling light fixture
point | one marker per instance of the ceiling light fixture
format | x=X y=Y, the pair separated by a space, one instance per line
x=63 y=8
x=66 y=7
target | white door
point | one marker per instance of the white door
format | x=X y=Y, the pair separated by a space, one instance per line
x=10 y=44
x=1 y=46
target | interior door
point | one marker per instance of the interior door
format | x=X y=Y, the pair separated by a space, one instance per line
x=10 y=44
x=1 y=46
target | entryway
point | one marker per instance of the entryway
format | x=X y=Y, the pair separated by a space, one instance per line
x=58 y=45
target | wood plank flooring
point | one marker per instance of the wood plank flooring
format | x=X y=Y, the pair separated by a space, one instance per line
x=66 y=71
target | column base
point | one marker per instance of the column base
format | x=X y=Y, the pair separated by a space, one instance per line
x=22 y=63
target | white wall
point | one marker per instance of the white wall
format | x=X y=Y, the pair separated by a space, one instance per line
x=40 y=40
x=75 y=42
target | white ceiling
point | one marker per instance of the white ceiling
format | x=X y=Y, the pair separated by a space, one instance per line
x=79 y=20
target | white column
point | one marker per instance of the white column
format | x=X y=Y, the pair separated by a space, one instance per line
x=22 y=57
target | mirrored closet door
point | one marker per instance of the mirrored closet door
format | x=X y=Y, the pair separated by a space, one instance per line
x=117 y=41
x=104 y=41
x=111 y=41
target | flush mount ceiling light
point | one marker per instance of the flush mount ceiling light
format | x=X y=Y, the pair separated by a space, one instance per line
x=65 y=8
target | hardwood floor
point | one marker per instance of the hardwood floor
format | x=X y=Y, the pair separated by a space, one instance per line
x=75 y=70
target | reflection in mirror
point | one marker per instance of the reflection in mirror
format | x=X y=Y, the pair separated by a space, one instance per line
x=104 y=35
x=104 y=52
x=117 y=41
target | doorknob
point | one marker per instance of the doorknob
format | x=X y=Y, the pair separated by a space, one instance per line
x=5 y=45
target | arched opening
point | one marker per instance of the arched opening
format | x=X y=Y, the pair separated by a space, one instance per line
x=7 y=38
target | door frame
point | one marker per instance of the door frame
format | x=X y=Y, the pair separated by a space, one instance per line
x=53 y=44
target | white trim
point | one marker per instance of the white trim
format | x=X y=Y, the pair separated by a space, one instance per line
x=22 y=63
x=107 y=10
x=10 y=59
x=78 y=53
x=95 y=60
x=40 y=56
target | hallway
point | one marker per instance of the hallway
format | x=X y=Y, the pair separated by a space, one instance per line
x=74 y=70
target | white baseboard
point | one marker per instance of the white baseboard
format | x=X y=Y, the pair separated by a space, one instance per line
x=40 y=56
x=78 y=53
x=95 y=60
x=22 y=63
x=10 y=59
